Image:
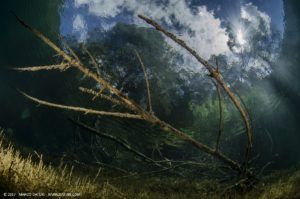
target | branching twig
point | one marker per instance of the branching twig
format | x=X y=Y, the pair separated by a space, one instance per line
x=106 y=97
x=61 y=67
x=73 y=54
x=75 y=63
x=119 y=141
x=94 y=62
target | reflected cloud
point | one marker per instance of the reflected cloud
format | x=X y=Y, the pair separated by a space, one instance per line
x=206 y=26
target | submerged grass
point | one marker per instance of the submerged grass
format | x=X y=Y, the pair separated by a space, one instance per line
x=284 y=185
x=23 y=175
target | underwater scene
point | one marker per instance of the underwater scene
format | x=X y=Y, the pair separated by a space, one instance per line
x=150 y=99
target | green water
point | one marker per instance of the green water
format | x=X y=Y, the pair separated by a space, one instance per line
x=20 y=48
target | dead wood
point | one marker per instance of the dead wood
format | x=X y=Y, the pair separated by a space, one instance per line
x=80 y=109
x=140 y=113
x=119 y=141
x=146 y=80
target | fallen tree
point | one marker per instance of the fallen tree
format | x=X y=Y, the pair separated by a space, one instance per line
x=134 y=110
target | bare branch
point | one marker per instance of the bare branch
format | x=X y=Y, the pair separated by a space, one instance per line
x=83 y=110
x=214 y=73
x=106 y=97
x=44 y=39
x=141 y=113
x=79 y=66
x=146 y=80
x=98 y=93
x=119 y=141
x=94 y=62
x=70 y=50
x=221 y=120
x=61 y=67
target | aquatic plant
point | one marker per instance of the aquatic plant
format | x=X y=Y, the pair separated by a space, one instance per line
x=23 y=175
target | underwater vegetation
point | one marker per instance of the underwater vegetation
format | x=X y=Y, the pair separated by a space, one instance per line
x=22 y=175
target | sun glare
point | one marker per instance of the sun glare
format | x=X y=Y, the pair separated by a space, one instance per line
x=240 y=37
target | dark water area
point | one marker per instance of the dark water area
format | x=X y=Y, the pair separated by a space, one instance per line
x=18 y=48
x=285 y=81
x=49 y=131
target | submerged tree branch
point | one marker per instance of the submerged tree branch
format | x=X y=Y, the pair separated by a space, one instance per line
x=61 y=67
x=140 y=112
x=146 y=80
x=71 y=51
x=75 y=63
x=119 y=141
x=215 y=74
x=221 y=117
x=98 y=94
x=83 y=110
x=94 y=62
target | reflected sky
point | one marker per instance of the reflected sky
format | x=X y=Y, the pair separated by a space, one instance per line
x=207 y=25
x=224 y=10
